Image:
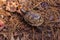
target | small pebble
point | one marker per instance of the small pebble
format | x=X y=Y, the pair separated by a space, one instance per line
x=51 y=17
x=44 y=5
x=2 y=16
x=1 y=24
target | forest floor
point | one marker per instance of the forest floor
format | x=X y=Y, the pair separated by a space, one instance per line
x=14 y=27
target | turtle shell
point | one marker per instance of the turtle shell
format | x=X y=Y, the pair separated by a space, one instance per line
x=33 y=18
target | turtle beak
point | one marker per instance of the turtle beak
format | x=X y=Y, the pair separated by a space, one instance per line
x=24 y=11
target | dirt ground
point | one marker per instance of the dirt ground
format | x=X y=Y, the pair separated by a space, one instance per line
x=14 y=27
